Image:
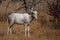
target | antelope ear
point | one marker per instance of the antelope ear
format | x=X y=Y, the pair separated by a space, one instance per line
x=35 y=12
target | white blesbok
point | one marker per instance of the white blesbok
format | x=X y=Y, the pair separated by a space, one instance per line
x=23 y=19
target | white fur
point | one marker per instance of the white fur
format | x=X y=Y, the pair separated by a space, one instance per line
x=19 y=18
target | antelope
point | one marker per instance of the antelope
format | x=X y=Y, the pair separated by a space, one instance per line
x=22 y=19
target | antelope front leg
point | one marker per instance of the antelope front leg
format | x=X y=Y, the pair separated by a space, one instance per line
x=25 y=30
x=28 y=32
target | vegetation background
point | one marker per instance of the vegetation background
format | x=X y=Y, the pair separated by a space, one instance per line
x=45 y=28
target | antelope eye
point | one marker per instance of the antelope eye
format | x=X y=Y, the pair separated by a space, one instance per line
x=32 y=13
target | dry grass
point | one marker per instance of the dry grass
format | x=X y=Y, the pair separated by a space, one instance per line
x=42 y=29
x=37 y=32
